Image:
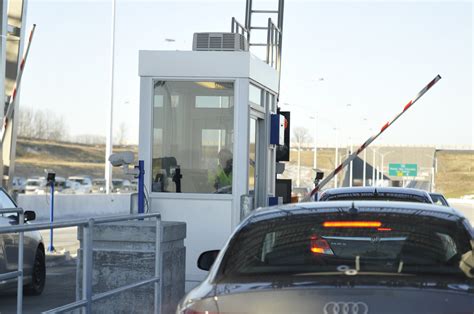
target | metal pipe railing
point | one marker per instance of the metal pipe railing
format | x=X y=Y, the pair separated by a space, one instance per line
x=87 y=224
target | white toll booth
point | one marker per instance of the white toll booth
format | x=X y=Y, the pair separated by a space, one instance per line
x=205 y=139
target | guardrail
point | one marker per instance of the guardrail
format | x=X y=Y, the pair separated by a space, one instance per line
x=87 y=224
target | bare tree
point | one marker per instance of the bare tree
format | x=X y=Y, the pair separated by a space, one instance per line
x=301 y=136
x=41 y=124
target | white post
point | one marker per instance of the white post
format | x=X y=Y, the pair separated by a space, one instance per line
x=299 y=165
x=109 y=136
x=315 y=158
x=351 y=168
x=381 y=171
x=364 y=170
x=373 y=166
x=336 y=157
x=432 y=188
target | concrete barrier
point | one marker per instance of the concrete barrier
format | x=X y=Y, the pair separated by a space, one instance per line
x=124 y=253
x=70 y=206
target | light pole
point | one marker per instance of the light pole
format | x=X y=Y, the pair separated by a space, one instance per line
x=109 y=137
x=315 y=155
x=373 y=166
x=351 y=166
x=434 y=167
x=336 y=155
x=382 y=165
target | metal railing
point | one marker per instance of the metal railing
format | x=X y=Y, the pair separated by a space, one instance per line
x=274 y=36
x=87 y=224
x=238 y=28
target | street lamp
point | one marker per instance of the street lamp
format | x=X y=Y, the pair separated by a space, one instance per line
x=336 y=157
x=315 y=155
x=382 y=164
x=109 y=139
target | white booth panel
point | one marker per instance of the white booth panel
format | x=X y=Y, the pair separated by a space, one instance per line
x=208 y=225
x=217 y=64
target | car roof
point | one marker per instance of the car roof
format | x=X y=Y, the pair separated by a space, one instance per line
x=443 y=212
x=373 y=189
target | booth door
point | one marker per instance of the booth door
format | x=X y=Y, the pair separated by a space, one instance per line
x=256 y=183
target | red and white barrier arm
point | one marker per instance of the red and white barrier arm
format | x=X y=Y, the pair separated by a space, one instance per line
x=372 y=138
x=11 y=103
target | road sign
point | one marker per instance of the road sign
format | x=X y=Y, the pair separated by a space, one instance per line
x=402 y=170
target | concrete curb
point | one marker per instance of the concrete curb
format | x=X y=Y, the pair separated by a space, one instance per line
x=60 y=258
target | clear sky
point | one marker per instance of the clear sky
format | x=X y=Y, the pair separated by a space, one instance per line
x=373 y=55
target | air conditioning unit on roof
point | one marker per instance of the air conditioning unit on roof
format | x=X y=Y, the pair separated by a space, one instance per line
x=219 y=42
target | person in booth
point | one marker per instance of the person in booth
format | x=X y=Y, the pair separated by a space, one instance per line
x=221 y=178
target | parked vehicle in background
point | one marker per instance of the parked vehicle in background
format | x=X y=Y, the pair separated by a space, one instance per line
x=439 y=199
x=59 y=184
x=35 y=185
x=72 y=187
x=300 y=192
x=341 y=257
x=18 y=184
x=98 y=185
x=34 y=267
x=134 y=185
x=121 y=186
x=85 y=183
x=370 y=193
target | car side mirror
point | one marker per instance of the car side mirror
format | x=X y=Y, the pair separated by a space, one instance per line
x=29 y=215
x=206 y=259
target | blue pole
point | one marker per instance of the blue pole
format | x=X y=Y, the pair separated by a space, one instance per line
x=51 y=218
x=141 y=185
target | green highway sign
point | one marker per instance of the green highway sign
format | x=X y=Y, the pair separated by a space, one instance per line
x=402 y=170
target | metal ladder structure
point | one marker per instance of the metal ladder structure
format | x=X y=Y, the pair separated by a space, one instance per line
x=12 y=34
x=274 y=32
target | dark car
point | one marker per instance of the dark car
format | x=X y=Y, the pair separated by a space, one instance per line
x=370 y=193
x=34 y=262
x=439 y=199
x=341 y=257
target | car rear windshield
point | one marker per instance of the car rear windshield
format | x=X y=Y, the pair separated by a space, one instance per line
x=363 y=196
x=333 y=242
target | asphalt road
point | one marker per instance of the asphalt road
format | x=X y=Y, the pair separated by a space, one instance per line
x=60 y=289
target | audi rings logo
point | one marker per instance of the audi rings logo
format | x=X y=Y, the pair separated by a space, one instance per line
x=346 y=308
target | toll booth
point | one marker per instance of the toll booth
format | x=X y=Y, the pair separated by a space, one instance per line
x=205 y=124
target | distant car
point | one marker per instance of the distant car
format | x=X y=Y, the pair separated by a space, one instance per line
x=85 y=183
x=36 y=185
x=59 y=184
x=18 y=184
x=370 y=193
x=134 y=185
x=300 y=192
x=71 y=187
x=34 y=266
x=98 y=186
x=121 y=186
x=439 y=199
x=341 y=257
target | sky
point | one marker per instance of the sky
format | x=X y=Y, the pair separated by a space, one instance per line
x=351 y=64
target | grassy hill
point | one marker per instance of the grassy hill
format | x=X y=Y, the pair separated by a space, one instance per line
x=455 y=176
x=66 y=159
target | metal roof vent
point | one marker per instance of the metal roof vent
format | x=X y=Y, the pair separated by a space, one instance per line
x=219 y=42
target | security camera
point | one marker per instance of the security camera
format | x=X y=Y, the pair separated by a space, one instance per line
x=121 y=159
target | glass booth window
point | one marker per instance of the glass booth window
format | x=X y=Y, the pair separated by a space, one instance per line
x=193 y=127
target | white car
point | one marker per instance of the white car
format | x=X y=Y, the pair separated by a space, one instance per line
x=35 y=185
x=85 y=184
